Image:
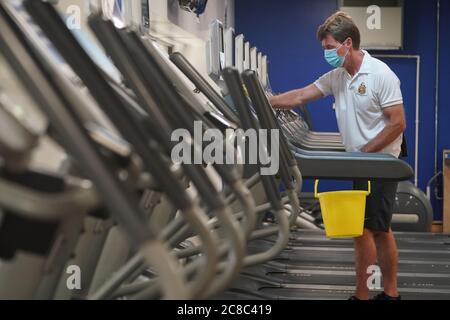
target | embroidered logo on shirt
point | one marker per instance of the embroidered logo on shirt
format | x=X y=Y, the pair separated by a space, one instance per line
x=362 y=89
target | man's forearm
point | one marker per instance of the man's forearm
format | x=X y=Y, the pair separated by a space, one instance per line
x=295 y=98
x=287 y=100
x=384 y=139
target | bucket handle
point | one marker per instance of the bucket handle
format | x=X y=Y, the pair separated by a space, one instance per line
x=316 y=186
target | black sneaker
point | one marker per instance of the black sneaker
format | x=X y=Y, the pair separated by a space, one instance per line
x=384 y=296
x=353 y=298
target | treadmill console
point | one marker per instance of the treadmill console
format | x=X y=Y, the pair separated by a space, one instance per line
x=216 y=50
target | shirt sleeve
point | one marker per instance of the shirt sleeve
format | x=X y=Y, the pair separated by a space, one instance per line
x=324 y=84
x=389 y=93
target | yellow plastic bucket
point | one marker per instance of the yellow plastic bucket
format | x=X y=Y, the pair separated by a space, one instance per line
x=343 y=212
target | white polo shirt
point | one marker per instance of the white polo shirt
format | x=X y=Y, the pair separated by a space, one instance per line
x=359 y=102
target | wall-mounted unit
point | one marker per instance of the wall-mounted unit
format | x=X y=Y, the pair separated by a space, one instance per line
x=115 y=11
x=379 y=21
x=122 y=13
x=195 y=6
x=145 y=15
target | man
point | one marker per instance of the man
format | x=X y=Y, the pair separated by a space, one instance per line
x=371 y=119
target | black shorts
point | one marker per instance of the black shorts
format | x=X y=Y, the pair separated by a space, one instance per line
x=380 y=204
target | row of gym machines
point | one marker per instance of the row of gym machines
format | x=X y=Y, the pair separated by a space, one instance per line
x=413 y=210
x=112 y=205
x=313 y=267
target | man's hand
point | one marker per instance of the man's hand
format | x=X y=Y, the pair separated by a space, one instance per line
x=395 y=127
x=294 y=98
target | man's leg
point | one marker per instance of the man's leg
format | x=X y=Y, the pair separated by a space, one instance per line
x=365 y=256
x=388 y=260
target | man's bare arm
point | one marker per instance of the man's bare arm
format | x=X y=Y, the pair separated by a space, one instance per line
x=294 y=98
x=396 y=126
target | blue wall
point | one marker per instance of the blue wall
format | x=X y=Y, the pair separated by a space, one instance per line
x=286 y=31
x=444 y=96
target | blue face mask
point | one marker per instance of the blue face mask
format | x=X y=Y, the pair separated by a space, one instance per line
x=333 y=58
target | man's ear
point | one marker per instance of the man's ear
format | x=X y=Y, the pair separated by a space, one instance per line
x=349 y=43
